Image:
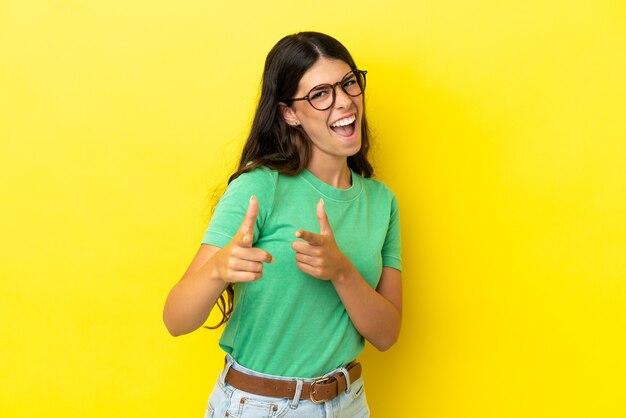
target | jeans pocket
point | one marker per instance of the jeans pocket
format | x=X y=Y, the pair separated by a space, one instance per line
x=219 y=401
x=356 y=388
x=255 y=408
x=248 y=405
x=209 y=411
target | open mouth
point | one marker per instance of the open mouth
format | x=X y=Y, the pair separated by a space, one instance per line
x=345 y=126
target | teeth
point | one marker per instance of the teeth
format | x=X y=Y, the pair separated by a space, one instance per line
x=344 y=121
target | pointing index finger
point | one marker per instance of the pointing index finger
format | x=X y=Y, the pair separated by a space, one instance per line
x=247 y=226
x=310 y=237
x=322 y=218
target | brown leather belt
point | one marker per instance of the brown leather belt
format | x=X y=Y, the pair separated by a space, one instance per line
x=320 y=390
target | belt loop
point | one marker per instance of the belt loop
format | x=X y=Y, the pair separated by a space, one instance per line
x=347 y=376
x=229 y=362
x=296 y=396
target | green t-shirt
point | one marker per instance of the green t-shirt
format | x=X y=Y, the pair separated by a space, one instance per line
x=289 y=323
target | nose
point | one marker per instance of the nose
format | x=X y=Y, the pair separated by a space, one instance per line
x=342 y=99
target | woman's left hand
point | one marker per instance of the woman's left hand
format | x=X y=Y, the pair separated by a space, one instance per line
x=318 y=254
x=376 y=313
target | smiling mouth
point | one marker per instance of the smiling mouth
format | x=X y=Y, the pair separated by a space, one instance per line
x=345 y=127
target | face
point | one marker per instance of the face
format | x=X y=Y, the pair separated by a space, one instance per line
x=335 y=133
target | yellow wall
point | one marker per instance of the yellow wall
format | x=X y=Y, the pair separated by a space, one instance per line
x=500 y=125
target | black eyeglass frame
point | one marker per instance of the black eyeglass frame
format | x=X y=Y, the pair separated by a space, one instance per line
x=333 y=87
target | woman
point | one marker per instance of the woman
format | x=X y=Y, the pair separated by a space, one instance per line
x=309 y=243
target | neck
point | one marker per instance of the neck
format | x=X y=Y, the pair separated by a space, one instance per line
x=335 y=173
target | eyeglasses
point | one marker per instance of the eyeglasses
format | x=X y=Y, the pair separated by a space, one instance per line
x=322 y=97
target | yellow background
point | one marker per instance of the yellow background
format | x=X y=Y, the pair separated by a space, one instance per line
x=500 y=126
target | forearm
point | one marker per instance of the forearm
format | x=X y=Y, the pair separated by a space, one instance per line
x=189 y=303
x=373 y=315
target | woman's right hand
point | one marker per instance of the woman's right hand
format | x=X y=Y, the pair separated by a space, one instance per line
x=190 y=301
x=238 y=261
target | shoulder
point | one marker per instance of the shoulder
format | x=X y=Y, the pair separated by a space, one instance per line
x=381 y=196
x=261 y=176
x=377 y=188
x=260 y=182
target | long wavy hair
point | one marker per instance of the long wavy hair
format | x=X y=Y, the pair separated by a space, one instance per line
x=272 y=142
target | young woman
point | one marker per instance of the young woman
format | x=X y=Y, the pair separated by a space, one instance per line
x=305 y=243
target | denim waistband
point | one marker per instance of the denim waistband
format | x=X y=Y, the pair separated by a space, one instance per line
x=230 y=362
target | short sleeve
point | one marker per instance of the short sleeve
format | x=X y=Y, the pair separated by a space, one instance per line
x=232 y=207
x=391 y=252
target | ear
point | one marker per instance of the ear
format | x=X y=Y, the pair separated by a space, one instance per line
x=288 y=114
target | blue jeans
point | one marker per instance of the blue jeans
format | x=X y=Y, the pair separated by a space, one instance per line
x=227 y=401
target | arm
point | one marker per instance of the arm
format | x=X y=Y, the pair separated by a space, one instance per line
x=376 y=313
x=190 y=301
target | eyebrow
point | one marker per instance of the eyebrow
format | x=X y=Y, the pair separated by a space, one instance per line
x=351 y=72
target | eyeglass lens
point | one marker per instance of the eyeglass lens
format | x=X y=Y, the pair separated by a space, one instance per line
x=322 y=97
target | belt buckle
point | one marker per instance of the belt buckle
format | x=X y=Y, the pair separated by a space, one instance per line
x=312 y=390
